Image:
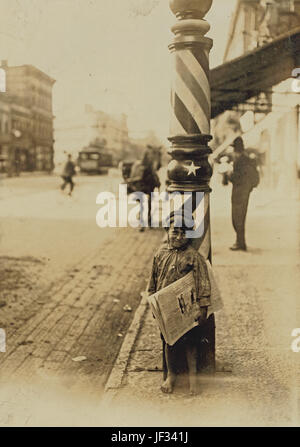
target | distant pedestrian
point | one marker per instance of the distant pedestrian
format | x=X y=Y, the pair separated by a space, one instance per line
x=68 y=172
x=144 y=178
x=243 y=178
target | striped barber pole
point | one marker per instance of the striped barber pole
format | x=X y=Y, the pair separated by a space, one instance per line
x=190 y=94
x=189 y=169
x=205 y=241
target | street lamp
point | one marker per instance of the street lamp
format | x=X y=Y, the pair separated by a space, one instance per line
x=189 y=169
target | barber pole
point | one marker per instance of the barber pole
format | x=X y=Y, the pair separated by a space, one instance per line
x=190 y=94
x=189 y=169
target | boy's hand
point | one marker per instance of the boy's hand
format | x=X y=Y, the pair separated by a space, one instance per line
x=202 y=315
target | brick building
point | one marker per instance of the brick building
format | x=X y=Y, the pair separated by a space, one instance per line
x=26 y=130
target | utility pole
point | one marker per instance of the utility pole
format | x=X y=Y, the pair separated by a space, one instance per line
x=189 y=169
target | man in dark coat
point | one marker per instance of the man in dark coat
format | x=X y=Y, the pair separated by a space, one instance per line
x=68 y=172
x=144 y=179
x=242 y=185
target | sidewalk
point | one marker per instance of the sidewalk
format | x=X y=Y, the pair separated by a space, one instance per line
x=257 y=380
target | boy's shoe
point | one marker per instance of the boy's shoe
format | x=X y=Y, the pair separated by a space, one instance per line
x=236 y=247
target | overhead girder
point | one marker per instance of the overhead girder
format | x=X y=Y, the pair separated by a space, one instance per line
x=236 y=81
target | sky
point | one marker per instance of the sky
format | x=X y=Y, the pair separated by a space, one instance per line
x=112 y=54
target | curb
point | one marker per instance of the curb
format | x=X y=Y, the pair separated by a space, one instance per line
x=116 y=376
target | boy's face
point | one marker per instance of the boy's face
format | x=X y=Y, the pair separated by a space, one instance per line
x=177 y=237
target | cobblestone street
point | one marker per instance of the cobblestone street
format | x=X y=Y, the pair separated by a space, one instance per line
x=51 y=307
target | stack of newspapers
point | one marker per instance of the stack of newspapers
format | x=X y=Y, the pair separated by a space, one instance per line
x=175 y=307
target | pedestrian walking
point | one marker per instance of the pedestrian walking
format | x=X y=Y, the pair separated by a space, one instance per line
x=173 y=261
x=144 y=178
x=244 y=178
x=67 y=175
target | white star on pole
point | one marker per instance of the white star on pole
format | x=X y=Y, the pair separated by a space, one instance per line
x=192 y=168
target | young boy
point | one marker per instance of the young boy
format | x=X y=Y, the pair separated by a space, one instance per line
x=173 y=261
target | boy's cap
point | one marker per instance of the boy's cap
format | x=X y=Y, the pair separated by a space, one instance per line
x=179 y=220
